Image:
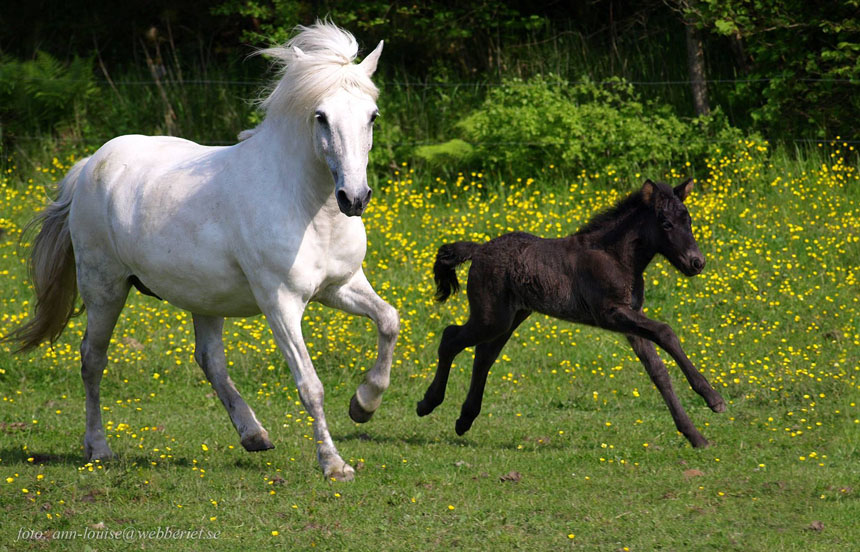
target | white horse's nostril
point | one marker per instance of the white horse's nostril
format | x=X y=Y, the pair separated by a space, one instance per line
x=342 y=199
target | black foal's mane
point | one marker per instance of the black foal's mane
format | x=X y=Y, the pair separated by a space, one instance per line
x=604 y=219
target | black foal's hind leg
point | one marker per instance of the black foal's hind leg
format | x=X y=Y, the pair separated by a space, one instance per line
x=485 y=355
x=628 y=321
x=660 y=376
x=454 y=340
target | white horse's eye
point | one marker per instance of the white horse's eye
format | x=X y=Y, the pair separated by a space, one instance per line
x=373 y=116
x=320 y=116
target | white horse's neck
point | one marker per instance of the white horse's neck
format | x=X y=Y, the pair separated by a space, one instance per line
x=287 y=145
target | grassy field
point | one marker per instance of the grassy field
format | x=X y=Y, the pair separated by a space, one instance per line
x=574 y=447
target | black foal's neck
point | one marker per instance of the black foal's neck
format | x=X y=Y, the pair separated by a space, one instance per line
x=624 y=231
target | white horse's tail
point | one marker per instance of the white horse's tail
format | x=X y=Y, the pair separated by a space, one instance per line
x=52 y=269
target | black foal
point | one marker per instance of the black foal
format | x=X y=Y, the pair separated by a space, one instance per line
x=592 y=277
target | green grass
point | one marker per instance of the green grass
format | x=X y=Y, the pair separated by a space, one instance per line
x=772 y=323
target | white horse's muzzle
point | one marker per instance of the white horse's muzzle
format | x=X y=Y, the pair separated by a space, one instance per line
x=353 y=205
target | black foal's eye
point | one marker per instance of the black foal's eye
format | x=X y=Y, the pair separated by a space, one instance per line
x=321 y=118
x=666 y=225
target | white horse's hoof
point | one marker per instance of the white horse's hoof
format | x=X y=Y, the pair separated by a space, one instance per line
x=257 y=442
x=345 y=473
x=102 y=453
x=357 y=413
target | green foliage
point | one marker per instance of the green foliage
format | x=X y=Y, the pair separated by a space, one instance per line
x=528 y=125
x=453 y=151
x=803 y=61
x=465 y=34
x=798 y=68
x=273 y=20
x=43 y=94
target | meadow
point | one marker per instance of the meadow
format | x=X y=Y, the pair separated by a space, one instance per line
x=574 y=448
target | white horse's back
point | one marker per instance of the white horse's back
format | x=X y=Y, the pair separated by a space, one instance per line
x=161 y=209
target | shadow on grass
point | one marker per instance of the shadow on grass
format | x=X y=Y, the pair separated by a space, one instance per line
x=12 y=456
x=479 y=443
x=413 y=439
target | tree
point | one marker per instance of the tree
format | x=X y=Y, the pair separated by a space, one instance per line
x=803 y=59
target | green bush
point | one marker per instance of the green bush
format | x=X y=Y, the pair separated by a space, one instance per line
x=527 y=125
x=43 y=95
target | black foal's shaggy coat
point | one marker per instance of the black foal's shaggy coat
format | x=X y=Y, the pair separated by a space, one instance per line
x=592 y=277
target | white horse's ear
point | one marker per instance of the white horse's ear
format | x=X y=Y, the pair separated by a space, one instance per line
x=369 y=63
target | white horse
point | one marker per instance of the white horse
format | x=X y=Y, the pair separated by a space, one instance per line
x=265 y=225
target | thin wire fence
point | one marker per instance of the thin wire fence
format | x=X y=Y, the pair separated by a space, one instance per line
x=176 y=83
x=463 y=84
x=810 y=141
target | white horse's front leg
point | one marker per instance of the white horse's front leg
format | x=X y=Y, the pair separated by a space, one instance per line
x=284 y=317
x=358 y=297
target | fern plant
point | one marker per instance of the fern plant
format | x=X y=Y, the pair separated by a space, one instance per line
x=43 y=94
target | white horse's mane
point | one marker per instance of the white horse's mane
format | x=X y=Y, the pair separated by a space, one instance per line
x=313 y=64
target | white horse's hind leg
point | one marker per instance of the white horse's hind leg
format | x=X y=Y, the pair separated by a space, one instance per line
x=103 y=304
x=284 y=318
x=209 y=354
x=358 y=297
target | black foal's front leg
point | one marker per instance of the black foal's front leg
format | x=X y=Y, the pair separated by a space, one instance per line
x=660 y=376
x=454 y=340
x=628 y=321
x=485 y=355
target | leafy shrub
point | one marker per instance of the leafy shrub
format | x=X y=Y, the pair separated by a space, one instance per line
x=454 y=151
x=529 y=125
x=43 y=94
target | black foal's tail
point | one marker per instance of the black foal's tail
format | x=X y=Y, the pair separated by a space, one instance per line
x=448 y=258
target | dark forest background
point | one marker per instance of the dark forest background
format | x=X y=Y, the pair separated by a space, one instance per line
x=507 y=85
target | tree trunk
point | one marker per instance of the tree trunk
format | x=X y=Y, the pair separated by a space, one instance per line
x=696 y=68
x=737 y=43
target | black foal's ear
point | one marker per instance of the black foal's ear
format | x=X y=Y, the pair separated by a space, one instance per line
x=648 y=192
x=683 y=190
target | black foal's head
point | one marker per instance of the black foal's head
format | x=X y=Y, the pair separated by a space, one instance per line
x=673 y=233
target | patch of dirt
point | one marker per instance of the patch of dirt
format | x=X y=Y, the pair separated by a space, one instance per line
x=92 y=496
x=12 y=427
x=778 y=484
x=816 y=526
x=691 y=473
x=834 y=335
x=132 y=343
x=512 y=476
x=277 y=480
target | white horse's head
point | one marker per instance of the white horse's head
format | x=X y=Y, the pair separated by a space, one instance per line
x=343 y=136
x=321 y=85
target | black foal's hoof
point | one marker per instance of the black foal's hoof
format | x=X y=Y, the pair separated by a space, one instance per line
x=357 y=413
x=425 y=407
x=462 y=426
x=699 y=442
x=718 y=406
